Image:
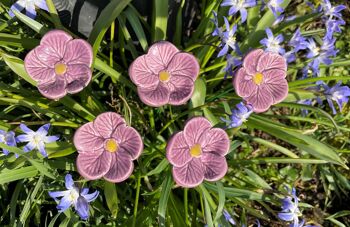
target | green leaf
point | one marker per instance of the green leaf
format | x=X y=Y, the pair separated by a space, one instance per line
x=303 y=142
x=111 y=196
x=297 y=83
x=54 y=14
x=104 y=21
x=17 y=65
x=257 y=180
x=36 y=26
x=221 y=205
x=207 y=211
x=160 y=20
x=17 y=174
x=164 y=197
x=136 y=26
x=198 y=97
x=160 y=167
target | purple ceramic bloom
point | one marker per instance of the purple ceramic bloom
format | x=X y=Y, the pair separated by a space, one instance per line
x=80 y=199
x=164 y=75
x=29 y=6
x=239 y=5
x=60 y=64
x=273 y=44
x=261 y=80
x=198 y=153
x=107 y=148
x=9 y=139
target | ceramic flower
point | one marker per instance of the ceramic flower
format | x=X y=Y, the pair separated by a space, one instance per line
x=60 y=64
x=198 y=153
x=164 y=75
x=107 y=148
x=261 y=79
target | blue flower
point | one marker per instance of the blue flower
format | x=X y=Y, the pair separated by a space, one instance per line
x=36 y=140
x=273 y=43
x=298 y=42
x=9 y=139
x=320 y=54
x=218 y=31
x=290 y=210
x=72 y=196
x=305 y=112
x=332 y=11
x=339 y=94
x=275 y=7
x=333 y=26
x=239 y=115
x=232 y=62
x=228 y=39
x=239 y=5
x=29 y=6
x=228 y=217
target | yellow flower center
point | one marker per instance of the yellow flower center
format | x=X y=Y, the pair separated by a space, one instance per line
x=60 y=69
x=258 y=78
x=196 y=150
x=111 y=146
x=164 y=76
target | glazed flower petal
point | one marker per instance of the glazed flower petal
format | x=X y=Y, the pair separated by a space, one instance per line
x=243 y=84
x=93 y=166
x=250 y=62
x=189 y=175
x=54 y=89
x=159 y=55
x=195 y=130
x=155 y=97
x=182 y=88
x=276 y=84
x=106 y=123
x=215 y=166
x=261 y=100
x=141 y=74
x=129 y=141
x=270 y=60
x=184 y=64
x=37 y=69
x=78 y=77
x=217 y=142
x=87 y=139
x=178 y=152
x=121 y=168
x=56 y=40
x=78 y=52
x=47 y=55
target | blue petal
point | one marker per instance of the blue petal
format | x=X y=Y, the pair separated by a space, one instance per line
x=233 y=10
x=223 y=51
x=50 y=139
x=17 y=7
x=25 y=129
x=29 y=147
x=30 y=12
x=69 y=183
x=42 y=5
x=64 y=204
x=89 y=197
x=24 y=138
x=41 y=148
x=286 y=216
x=6 y=152
x=43 y=130
x=243 y=15
x=57 y=194
x=82 y=208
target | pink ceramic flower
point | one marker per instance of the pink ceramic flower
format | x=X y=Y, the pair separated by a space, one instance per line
x=198 y=153
x=164 y=75
x=261 y=80
x=60 y=64
x=107 y=148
